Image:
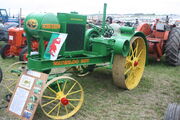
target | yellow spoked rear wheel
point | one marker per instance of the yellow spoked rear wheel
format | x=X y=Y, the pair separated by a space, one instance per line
x=62 y=97
x=12 y=74
x=127 y=71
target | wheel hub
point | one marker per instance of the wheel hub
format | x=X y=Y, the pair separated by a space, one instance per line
x=135 y=63
x=62 y=98
x=64 y=101
x=59 y=95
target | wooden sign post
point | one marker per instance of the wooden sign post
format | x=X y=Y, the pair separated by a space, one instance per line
x=27 y=94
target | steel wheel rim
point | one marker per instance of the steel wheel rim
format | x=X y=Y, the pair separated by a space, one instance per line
x=11 y=81
x=135 y=63
x=56 y=111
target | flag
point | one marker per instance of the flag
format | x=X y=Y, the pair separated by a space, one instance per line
x=54 y=46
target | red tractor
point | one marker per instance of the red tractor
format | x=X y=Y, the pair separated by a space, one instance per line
x=17 y=45
x=163 y=39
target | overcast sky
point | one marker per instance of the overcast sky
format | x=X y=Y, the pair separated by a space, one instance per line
x=93 y=6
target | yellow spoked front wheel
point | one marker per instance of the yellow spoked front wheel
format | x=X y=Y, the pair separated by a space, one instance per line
x=62 y=97
x=127 y=71
x=12 y=74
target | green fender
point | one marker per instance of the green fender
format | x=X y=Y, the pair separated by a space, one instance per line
x=129 y=32
x=121 y=45
x=145 y=40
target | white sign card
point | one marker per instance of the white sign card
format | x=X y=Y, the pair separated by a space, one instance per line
x=26 y=82
x=19 y=100
x=34 y=73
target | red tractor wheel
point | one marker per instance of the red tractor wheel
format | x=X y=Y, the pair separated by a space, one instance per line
x=5 y=52
x=172 y=47
x=23 y=54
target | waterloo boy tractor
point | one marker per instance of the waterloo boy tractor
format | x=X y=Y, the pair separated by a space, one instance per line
x=82 y=49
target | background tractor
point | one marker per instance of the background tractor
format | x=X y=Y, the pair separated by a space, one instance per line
x=13 y=34
x=4 y=30
x=5 y=18
x=16 y=45
x=163 y=39
x=83 y=50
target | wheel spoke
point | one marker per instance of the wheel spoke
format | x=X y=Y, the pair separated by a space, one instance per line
x=59 y=107
x=58 y=85
x=132 y=79
x=64 y=86
x=66 y=109
x=74 y=92
x=48 y=97
x=52 y=90
x=53 y=109
x=132 y=51
x=48 y=103
x=12 y=84
x=138 y=68
x=72 y=105
x=127 y=70
x=140 y=53
x=130 y=74
x=9 y=79
x=128 y=59
x=74 y=99
x=136 y=49
x=14 y=74
x=71 y=88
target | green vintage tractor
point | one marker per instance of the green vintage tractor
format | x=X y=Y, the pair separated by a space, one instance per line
x=83 y=50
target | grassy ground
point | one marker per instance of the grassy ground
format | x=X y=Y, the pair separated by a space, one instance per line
x=159 y=86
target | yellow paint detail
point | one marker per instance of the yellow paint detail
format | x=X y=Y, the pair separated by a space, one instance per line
x=32 y=24
x=71 y=62
x=60 y=95
x=76 y=19
x=51 y=26
x=84 y=60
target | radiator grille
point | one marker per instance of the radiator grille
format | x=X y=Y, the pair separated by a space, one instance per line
x=75 y=38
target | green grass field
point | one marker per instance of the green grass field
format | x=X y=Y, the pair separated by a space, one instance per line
x=159 y=86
